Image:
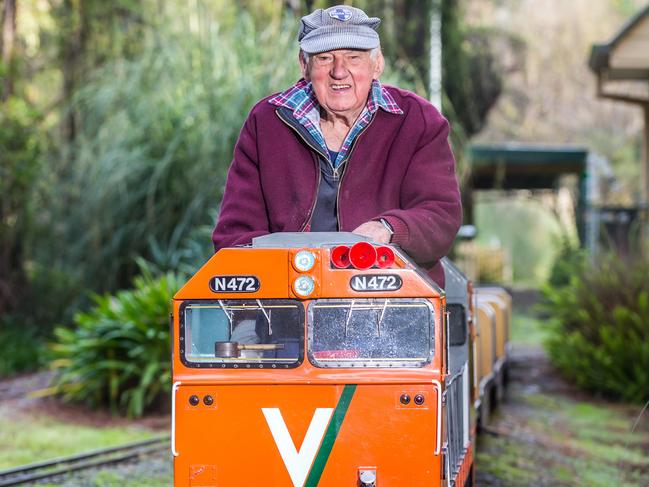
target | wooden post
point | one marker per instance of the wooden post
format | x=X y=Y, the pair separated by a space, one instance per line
x=645 y=107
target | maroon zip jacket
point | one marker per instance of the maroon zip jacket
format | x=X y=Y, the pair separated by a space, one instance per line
x=401 y=168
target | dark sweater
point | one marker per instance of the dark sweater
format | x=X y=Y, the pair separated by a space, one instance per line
x=401 y=169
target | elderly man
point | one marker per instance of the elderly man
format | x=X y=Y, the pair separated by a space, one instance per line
x=338 y=151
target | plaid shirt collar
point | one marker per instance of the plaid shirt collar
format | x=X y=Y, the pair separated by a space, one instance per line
x=301 y=100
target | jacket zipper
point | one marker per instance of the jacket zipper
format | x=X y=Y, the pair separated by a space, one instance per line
x=317 y=168
x=343 y=166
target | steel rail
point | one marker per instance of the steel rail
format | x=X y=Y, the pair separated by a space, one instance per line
x=90 y=459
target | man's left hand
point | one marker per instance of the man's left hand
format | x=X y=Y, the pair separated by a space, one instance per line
x=375 y=231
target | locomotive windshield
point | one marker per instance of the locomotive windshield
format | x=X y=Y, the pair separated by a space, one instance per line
x=370 y=332
x=239 y=333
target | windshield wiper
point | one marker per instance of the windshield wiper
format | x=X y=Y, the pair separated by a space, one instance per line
x=380 y=320
x=266 y=315
x=349 y=316
x=227 y=313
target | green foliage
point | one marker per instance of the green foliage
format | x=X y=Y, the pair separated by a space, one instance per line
x=628 y=8
x=472 y=79
x=22 y=347
x=600 y=325
x=569 y=259
x=19 y=163
x=118 y=352
x=405 y=36
x=151 y=156
x=504 y=223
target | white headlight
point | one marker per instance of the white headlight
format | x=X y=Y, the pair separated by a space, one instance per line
x=304 y=260
x=303 y=286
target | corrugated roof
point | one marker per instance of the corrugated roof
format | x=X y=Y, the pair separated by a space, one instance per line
x=519 y=153
x=524 y=166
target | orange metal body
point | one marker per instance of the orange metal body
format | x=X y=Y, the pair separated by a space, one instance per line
x=230 y=442
x=309 y=426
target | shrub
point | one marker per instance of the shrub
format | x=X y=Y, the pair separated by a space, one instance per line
x=118 y=353
x=21 y=346
x=155 y=140
x=569 y=259
x=600 y=326
x=20 y=149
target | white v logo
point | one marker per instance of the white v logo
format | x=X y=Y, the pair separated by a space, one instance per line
x=298 y=463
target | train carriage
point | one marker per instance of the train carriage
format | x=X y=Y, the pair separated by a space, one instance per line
x=495 y=299
x=485 y=345
x=321 y=359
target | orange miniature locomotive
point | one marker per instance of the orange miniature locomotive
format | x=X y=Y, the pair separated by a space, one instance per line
x=320 y=359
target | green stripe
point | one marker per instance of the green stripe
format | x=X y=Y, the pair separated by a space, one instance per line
x=330 y=436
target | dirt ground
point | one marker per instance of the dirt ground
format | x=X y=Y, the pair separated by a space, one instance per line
x=23 y=395
x=546 y=433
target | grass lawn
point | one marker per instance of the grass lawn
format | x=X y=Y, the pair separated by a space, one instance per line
x=527 y=329
x=548 y=433
x=29 y=435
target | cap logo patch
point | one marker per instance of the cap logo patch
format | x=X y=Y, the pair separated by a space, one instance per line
x=342 y=14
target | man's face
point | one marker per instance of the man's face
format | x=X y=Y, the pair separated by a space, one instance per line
x=342 y=79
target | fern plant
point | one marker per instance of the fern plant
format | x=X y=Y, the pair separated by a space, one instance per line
x=118 y=352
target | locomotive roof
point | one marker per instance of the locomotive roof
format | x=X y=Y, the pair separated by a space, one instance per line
x=306 y=239
x=456 y=283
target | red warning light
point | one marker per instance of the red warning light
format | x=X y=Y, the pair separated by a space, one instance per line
x=340 y=256
x=384 y=257
x=362 y=255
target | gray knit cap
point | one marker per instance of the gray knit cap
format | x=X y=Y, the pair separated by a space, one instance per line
x=339 y=27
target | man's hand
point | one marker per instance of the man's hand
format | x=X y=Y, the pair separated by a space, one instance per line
x=375 y=231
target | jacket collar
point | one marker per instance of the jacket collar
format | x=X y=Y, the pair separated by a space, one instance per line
x=301 y=100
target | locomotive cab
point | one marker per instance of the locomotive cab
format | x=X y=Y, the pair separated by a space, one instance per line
x=318 y=358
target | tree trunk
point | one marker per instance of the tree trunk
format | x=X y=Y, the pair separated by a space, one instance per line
x=11 y=274
x=8 y=36
x=72 y=58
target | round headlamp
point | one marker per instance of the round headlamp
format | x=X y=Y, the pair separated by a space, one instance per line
x=303 y=286
x=304 y=260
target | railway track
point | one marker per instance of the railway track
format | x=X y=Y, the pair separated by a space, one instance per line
x=91 y=459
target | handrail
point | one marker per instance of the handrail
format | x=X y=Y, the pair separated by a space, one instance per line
x=452 y=378
x=438 y=446
x=174 y=452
